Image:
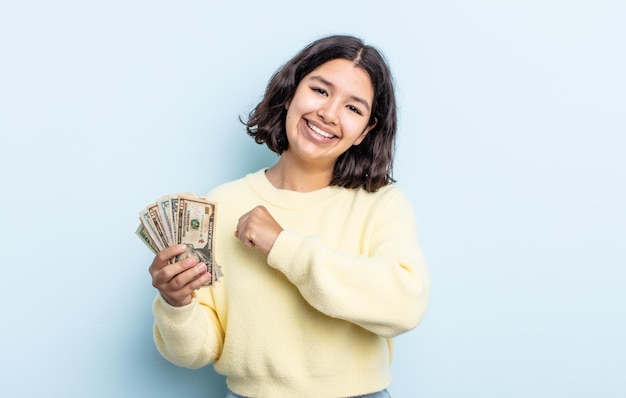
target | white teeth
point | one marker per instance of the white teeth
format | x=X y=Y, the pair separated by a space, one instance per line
x=318 y=131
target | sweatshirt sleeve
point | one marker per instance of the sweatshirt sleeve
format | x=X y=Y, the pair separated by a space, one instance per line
x=189 y=336
x=384 y=290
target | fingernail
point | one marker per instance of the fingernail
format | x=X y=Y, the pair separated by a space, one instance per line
x=190 y=261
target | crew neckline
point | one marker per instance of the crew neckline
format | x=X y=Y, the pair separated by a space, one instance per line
x=285 y=198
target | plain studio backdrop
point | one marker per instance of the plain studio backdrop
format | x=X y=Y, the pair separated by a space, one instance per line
x=511 y=148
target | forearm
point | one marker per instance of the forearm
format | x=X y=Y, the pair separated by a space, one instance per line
x=384 y=293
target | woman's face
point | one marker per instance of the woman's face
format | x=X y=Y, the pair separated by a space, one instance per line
x=329 y=113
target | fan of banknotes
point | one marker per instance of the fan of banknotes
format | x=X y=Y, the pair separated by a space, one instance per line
x=181 y=218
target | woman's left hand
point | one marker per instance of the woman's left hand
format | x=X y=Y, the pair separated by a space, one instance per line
x=258 y=228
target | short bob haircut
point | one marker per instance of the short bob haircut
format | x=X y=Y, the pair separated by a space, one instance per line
x=367 y=165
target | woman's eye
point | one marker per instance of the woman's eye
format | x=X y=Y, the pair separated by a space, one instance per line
x=319 y=90
x=354 y=109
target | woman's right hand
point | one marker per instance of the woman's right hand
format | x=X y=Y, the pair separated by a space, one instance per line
x=177 y=281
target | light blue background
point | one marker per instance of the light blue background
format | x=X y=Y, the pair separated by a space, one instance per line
x=513 y=118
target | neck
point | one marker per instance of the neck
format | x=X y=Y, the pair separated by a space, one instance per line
x=293 y=176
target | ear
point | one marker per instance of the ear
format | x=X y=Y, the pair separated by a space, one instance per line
x=367 y=129
x=287 y=105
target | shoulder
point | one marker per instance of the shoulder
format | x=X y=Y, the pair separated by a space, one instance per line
x=386 y=203
x=392 y=203
x=389 y=195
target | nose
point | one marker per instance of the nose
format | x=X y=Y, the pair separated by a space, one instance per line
x=328 y=112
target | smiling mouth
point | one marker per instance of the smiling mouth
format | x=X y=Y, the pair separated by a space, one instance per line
x=318 y=131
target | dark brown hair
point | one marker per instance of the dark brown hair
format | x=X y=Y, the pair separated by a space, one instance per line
x=367 y=165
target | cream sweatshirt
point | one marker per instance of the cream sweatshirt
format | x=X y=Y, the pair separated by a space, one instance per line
x=315 y=318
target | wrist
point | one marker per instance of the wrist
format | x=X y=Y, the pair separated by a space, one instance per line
x=176 y=303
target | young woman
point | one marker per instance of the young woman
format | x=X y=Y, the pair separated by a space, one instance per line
x=320 y=254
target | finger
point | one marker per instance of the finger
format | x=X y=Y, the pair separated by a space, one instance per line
x=201 y=280
x=247 y=237
x=182 y=286
x=241 y=223
x=170 y=271
x=184 y=295
x=164 y=256
x=242 y=227
x=185 y=280
x=178 y=289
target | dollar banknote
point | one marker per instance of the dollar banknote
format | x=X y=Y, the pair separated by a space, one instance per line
x=182 y=219
x=145 y=238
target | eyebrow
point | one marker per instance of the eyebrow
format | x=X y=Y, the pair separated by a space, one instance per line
x=355 y=98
